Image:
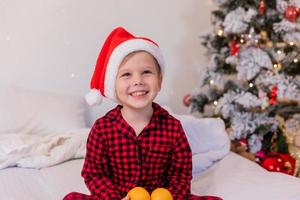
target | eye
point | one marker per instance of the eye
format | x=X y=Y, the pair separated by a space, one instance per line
x=125 y=75
x=147 y=72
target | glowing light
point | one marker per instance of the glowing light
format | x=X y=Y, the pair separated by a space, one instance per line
x=215 y=103
x=279 y=52
x=295 y=60
x=242 y=40
x=251 y=85
x=72 y=75
x=275 y=66
x=211 y=82
x=292 y=43
x=220 y=32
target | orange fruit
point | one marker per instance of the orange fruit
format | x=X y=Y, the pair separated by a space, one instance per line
x=139 y=193
x=161 y=194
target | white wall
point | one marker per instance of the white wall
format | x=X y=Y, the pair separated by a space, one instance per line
x=53 y=44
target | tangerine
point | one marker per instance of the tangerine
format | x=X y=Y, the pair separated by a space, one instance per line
x=139 y=193
x=161 y=194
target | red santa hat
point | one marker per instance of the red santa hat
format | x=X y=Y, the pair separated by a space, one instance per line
x=118 y=44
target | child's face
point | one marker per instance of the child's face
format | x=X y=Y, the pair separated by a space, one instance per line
x=138 y=80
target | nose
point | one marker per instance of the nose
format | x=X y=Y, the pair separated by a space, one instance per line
x=137 y=80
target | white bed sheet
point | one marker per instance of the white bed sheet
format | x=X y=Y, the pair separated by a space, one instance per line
x=51 y=183
x=17 y=183
x=236 y=178
x=233 y=178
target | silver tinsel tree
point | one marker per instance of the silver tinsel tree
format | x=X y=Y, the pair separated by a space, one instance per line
x=254 y=70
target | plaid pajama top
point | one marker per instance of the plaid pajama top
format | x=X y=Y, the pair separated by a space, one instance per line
x=117 y=160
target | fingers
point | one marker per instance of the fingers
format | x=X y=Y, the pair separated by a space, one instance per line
x=126 y=198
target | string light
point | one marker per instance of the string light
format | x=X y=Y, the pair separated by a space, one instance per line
x=211 y=82
x=295 y=60
x=215 y=103
x=242 y=39
x=292 y=43
x=220 y=32
x=279 y=52
x=277 y=66
x=251 y=85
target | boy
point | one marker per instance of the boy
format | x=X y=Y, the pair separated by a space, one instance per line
x=137 y=143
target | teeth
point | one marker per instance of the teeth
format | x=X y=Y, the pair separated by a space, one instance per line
x=138 y=93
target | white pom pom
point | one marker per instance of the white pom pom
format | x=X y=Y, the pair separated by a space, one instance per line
x=93 y=97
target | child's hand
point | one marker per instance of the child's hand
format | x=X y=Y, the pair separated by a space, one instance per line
x=126 y=198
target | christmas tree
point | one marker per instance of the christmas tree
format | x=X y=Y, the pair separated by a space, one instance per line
x=253 y=78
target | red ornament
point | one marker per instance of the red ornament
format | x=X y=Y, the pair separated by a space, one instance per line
x=187 y=100
x=261 y=155
x=292 y=13
x=279 y=163
x=243 y=142
x=273 y=95
x=234 y=48
x=262 y=7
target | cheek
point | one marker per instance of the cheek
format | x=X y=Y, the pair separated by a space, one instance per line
x=120 y=87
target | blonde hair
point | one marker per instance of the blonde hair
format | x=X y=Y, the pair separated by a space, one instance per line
x=135 y=52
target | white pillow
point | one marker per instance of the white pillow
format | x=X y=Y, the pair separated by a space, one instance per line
x=207 y=138
x=203 y=134
x=33 y=112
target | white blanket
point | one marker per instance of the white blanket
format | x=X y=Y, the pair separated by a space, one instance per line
x=39 y=151
x=207 y=137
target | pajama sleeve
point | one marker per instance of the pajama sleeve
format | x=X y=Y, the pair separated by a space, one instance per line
x=95 y=170
x=180 y=173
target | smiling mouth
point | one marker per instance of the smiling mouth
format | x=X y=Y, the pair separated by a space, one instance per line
x=139 y=93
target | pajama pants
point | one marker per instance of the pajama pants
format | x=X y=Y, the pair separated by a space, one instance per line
x=80 y=196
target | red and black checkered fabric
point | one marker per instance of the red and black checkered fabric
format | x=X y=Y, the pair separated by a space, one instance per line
x=117 y=160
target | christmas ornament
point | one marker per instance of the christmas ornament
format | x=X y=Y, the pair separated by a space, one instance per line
x=262 y=7
x=234 y=48
x=187 y=100
x=273 y=95
x=260 y=156
x=292 y=13
x=279 y=163
x=161 y=194
x=139 y=193
x=243 y=142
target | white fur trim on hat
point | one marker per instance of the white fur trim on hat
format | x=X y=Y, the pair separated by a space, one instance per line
x=119 y=54
x=93 y=97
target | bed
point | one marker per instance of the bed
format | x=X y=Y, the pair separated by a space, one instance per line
x=42 y=145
